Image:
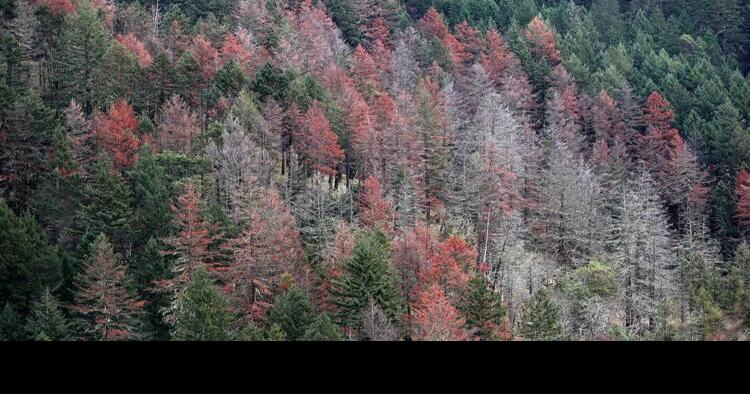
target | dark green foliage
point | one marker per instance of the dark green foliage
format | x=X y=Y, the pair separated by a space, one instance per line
x=106 y=206
x=202 y=313
x=47 y=322
x=323 y=328
x=27 y=263
x=482 y=308
x=151 y=198
x=367 y=277
x=540 y=321
x=292 y=313
x=344 y=15
x=11 y=328
x=78 y=56
x=28 y=127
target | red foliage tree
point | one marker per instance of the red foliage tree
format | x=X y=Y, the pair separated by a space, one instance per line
x=378 y=31
x=364 y=71
x=450 y=265
x=135 y=47
x=742 y=190
x=318 y=143
x=269 y=247
x=191 y=245
x=234 y=50
x=433 y=24
x=115 y=132
x=542 y=41
x=435 y=319
x=101 y=295
x=469 y=38
x=374 y=209
x=410 y=256
x=59 y=7
x=206 y=55
x=662 y=143
x=496 y=57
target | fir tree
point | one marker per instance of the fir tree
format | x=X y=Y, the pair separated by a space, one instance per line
x=366 y=278
x=47 y=322
x=292 y=313
x=540 y=321
x=201 y=314
x=482 y=309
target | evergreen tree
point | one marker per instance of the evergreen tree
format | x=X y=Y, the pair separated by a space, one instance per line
x=540 y=321
x=292 y=313
x=482 y=309
x=78 y=56
x=11 y=328
x=102 y=298
x=322 y=328
x=47 y=322
x=27 y=263
x=106 y=206
x=201 y=314
x=366 y=278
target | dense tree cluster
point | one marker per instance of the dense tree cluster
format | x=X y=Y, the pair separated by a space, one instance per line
x=374 y=170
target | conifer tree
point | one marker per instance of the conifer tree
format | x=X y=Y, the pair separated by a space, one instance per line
x=47 y=322
x=102 y=297
x=540 y=321
x=292 y=313
x=366 y=278
x=201 y=313
x=482 y=309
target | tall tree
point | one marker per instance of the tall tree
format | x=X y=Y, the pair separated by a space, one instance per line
x=366 y=279
x=102 y=297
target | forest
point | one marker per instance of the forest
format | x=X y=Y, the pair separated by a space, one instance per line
x=374 y=170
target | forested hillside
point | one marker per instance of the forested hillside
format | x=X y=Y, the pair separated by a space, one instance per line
x=374 y=170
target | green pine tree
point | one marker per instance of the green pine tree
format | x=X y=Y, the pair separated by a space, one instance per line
x=47 y=322
x=323 y=328
x=482 y=308
x=292 y=312
x=27 y=263
x=106 y=206
x=202 y=313
x=366 y=277
x=540 y=321
x=11 y=328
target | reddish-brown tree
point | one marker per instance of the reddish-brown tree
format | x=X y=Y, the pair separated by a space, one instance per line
x=435 y=319
x=364 y=71
x=432 y=23
x=469 y=38
x=378 y=31
x=136 y=48
x=177 y=125
x=234 y=50
x=101 y=294
x=496 y=57
x=662 y=143
x=542 y=41
x=59 y=7
x=315 y=139
x=206 y=55
x=374 y=209
x=116 y=133
x=742 y=190
x=450 y=265
x=269 y=247
x=191 y=244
